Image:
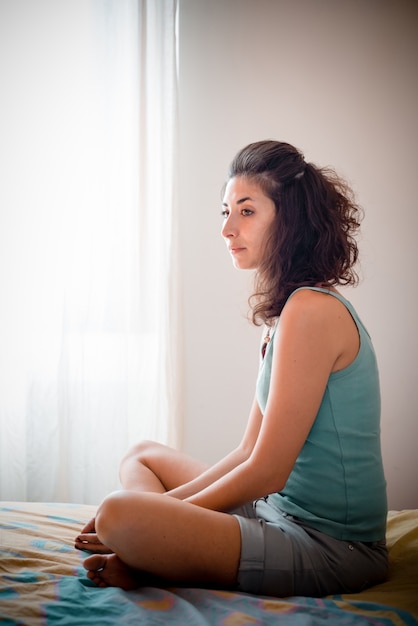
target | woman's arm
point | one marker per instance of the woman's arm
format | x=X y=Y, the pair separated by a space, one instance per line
x=238 y=456
x=309 y=341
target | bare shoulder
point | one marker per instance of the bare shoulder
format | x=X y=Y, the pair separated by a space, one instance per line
x=322 y=322
x=316 y=306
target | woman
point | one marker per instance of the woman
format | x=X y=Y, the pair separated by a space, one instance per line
x=299 y=507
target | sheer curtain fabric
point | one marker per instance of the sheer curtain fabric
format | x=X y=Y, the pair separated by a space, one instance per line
x=88 y=320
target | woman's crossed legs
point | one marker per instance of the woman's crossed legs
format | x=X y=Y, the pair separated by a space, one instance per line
x=154 y=536
x=140 y=533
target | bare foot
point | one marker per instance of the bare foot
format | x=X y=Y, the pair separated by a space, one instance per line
x=91 y=543
x=110 y=571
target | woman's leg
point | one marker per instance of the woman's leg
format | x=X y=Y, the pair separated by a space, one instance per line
x=153 y=467
x=159 y=536
x=147 y=467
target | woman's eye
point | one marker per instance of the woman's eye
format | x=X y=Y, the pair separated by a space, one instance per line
x=244 y=212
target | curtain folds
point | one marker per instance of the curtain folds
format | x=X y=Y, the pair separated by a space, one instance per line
x=89 y=316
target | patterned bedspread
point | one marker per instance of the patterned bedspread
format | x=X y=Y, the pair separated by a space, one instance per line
x=42 y=582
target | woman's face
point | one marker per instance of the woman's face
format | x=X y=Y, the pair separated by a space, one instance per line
x=248 y=214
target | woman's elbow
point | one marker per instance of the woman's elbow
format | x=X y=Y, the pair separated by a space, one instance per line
x=274 y=485
x=267 y=480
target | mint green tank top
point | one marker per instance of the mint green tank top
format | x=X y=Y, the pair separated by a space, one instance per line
x=337 y=484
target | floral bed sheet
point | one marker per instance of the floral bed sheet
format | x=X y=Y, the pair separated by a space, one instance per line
x=43 y=583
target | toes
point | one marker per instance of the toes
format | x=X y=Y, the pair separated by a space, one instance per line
x=96 y=579
x=95 y=563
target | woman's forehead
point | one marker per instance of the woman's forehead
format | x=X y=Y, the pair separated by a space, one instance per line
x=240 y=188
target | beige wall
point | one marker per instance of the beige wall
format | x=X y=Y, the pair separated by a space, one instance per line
x=338 y=80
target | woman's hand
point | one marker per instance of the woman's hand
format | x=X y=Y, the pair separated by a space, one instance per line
x=89 y=541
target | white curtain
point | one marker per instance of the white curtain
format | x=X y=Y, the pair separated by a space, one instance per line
x=88 y=316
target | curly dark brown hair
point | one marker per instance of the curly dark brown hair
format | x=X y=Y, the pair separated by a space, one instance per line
x=311 y=240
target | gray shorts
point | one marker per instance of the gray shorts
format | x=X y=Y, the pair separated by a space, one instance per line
x=281 y=556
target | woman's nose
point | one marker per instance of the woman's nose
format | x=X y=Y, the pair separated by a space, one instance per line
x=229 y=228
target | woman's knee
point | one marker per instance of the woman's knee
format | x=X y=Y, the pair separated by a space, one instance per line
x=143 y=452
x=124 y=517
x=112 y=517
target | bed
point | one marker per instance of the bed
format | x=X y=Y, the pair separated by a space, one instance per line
x=43 y=582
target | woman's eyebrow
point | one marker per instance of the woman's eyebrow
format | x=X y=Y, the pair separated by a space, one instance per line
x=240 y=201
